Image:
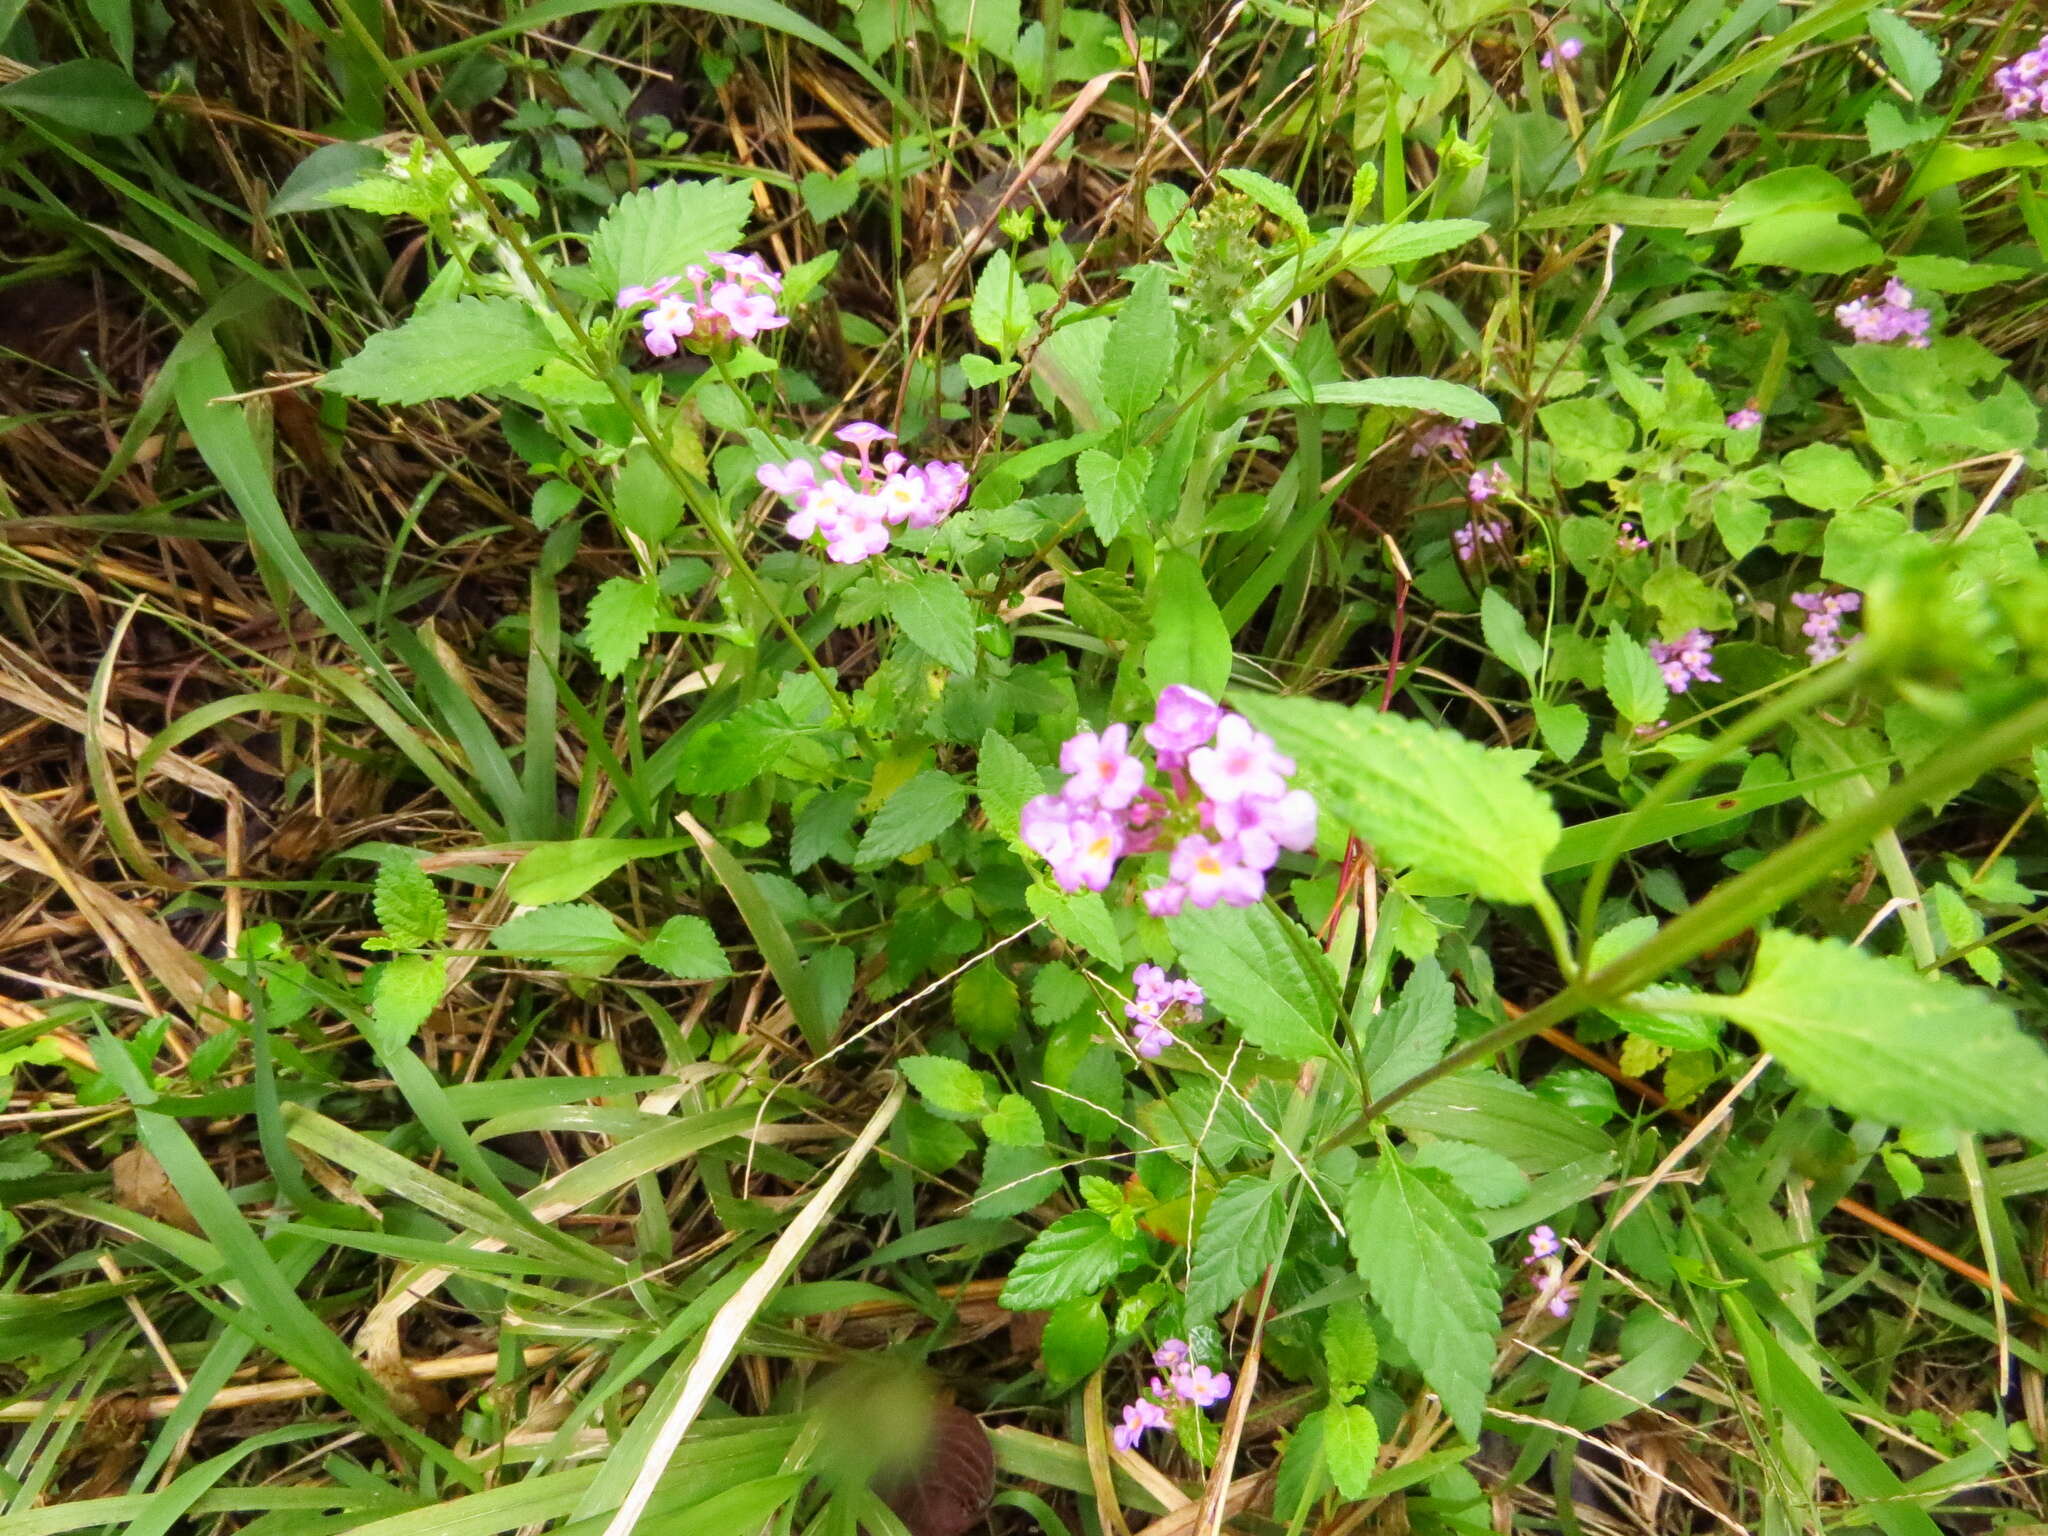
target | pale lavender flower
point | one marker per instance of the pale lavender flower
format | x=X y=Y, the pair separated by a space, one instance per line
x=1543 y=1244
x=1186 y=718
x=1447 y=437
x=737 y=302
x=1139 y=1416
x=1158 y=997
x=1212 y=872
x=1889 y=316
x=1103 y=771
x=1742 y=420
x=1558 y=1299
x=1824 y=614
x=1628 y=541
x=1485 y=484
x=1243 y=763
x=1149 y=1038
x=1261 y=827
x=854 y=509
x=1466 y=540
x=1562 y=54
x=1686 y=660
x=2024 y=83
x=1171 y=1355
x=1199 y=1385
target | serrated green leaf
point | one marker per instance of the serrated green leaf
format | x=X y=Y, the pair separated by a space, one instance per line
x=1082 y=918
x=1143 y=346
x=1242 y=1232
x=644 y=500
x=1634 y=683
x=408 y=905
x=687 y=949
x=1411 y=1036
x=408 y=991
x=1076 y=1340
x=1272 y=983
x=1276 y=198
x=1422 y=796
x=1564 y=728
x=952 y=1088
x=912 y=817
x=1351 y=1350
x=1101 y=1196
x=1438 y=395
x=1014 y=1179
x=452 y=349
x=937 y=617
x=999 y=312
x=1884 y=1043
x=659 y=230
x=822 y=827
x=1482 y=1175
x=1351 y=1442
x=1014 y=1123
x=622 y=614
x=985 y=1005
x=582 y=939
x=1431 y=1274
x=1507 y=636
x=1908 y=53
x=1532 y=1132
x=1075 y=1256
x=1005 y=779
x=1113 y=489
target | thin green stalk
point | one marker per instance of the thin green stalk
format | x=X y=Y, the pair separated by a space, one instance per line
x=1738 y=903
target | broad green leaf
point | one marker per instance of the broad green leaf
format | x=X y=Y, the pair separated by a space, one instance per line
x=1387 y=245
x=985 y=1005
x=1422 y=796
x=659 y=230
x=687 y=949
x=1439 y=395
x=1014 y=1123
x=623 y=613
x=950 y=1087
x=1113 y=489
x=408 y=904
x=1533 y=1133
x=584 y=940
x=1593 y=440
x=408 y=991
x=1908 y=53
x=1507 y=635
x=1242 y=1232
x=1826 y=476
x=1004 y=780
x=1082 y=918
x=1014 y=1179
x=1143 y=346
x=644 y=500
x=563 y=871
x=1411 y=1036
x=1276 y=198
x=1807 y=242
x=1351 y=1350
x=1076 y=1256
x=912 y=817
x=452 y=349
x=1634 y=682
x=1076 y=1340
x=1263 y=974
x=88 y=94
x=1482 y=1175
x=1351 y=1442
x=999 y=312
x=1794 y=189
x=937 y=617
x=1431 y=1274
x=1564 y=728
x=1882 y=1042
x=1190 y=643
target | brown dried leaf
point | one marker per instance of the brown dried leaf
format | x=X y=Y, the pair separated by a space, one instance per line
x=948 y=1492
x=142 y=1186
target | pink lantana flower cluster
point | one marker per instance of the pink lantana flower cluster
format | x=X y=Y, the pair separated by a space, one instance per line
x=2024 y=84
x=1222 y=815
x=1824 y=614
x=1161 y=997
x=1185 y=1382
x=731 y=297
x=1889 y=316
x=1687 y=660
x=858 y=500
x=1546 y=1263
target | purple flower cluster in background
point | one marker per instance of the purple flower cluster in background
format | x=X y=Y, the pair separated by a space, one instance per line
x=1687 y=660
x=1222 y=815
x=1546 y=1259
x=1447 y=437
x=1185 y=1382
x=1628 y=541
x=1161 y=997
x=1890 y=316
x=1824 y=614
x=1562 y=54
x=1480 y=530
x=854 y=515
x=736 y=300
x=1485 y=484
x=2024 y=84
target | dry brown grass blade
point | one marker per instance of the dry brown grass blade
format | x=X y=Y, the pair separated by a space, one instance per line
x=112 y=735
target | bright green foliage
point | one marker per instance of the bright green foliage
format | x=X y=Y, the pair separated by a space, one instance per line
x=576 y=937
x=663 y=228
x=986 y=1006
x=457 y=348
x=1262 y=973
x=950 y=1087
x=913 y=816
x=687 y=949
x=622 y=615
x=1351 y=1441
x=407 y=991
x=1242 y=1232
x=1075 y=1256
x=1076 y=1339
x=409 y=907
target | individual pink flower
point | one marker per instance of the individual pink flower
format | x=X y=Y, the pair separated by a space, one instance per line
x=1628 y=541
x=1562 y=54
x=1742 y=420
x=1543 y=1244
x=1186 y=718
x=1890 y=316
x=1171 y=1355
x=1150 y=1038
x=1260 y=828
x=1104 y=772
x=1215 y=872
x=1201 y=1386
x=1139 y=1417
x=738 y=304
x=1485 y=484
x=1242 y=762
